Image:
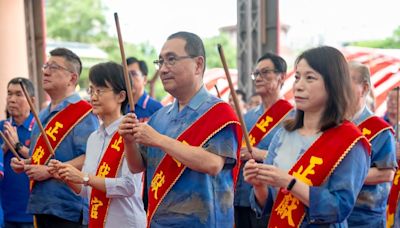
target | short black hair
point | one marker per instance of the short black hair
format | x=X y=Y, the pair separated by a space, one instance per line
x=131 y=60
x=111 y=73
x=70 y=57
x=194 y=45
x=142 y=64
x=143 y=67
x=26 y=82
x=279 y=63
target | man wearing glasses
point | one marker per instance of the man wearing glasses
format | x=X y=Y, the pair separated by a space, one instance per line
x=145 y=105
x=262 y=122
x=68 y=122
x=188 y=148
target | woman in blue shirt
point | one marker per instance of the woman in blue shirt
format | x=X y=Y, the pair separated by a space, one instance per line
x=322 y=95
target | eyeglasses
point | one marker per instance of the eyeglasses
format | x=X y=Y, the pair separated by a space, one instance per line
x=134 y=73
x=54 y=66
x=263 y=73
x=97 y=92
x=171 y=60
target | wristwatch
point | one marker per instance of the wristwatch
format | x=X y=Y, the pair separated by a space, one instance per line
x=291 y=184
x=86 y=179
x=18 y=146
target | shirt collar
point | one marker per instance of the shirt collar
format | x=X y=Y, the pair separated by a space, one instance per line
x=260 y=109
x=74 y=98
x=141 y=100
x=361 y=115
x=27 y=122
x=111 y=128
x=198 y=99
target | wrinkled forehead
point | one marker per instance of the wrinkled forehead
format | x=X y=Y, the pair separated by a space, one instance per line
x=265 y=63
x=57 y=59
x=14 y=87
x=175 y=46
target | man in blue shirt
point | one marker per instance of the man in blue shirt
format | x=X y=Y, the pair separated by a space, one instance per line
x=392 y=101
x=202 y=195
x=268 y=79
x=145 y=105
x=17 y=128
x=370 y=207
x=52 y=201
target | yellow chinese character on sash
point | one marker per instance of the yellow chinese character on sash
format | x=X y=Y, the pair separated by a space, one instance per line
x=157 y=182
x=37 y=155
x=96 y=203
x=252 y=140
x=104 y=170
x=264 y=123
x=178 y=163
x=54 y=130
x=396 y=177
x=302 y=174
x=390 y=218
x=366 y=131
x=285 y=208
x=116 y=143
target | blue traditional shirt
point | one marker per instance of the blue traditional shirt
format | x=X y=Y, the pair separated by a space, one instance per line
x=15 y=187
x=370 y=208
x=145 y=107
x=243 y=188
x=397 y=215
x=330 y=203
x=52 y=196
x=197 y=199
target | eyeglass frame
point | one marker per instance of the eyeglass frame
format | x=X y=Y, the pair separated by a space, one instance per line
x=55 y=66
x=263 y=73
x=98 y=92
x=160 y=62
x=134 y=73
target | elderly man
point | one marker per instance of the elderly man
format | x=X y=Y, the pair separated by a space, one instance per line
x=68 y=122
x=370 y=207
x=188 y=148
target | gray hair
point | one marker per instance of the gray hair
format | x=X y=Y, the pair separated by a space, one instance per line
x=365 y=75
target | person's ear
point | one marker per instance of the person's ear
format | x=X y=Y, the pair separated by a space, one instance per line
x=33 y=99
x=144 y=80
x=199 y=64
x=74 y=79
x=365 y=89
x=121 y=97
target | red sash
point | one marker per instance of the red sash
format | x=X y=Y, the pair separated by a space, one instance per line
x=393 y=199
x=269 y=120
x=313 y=168
x=56 y=129
x=169 y=170
x=372 y=126
x=108 y=167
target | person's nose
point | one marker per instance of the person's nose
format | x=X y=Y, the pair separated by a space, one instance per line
x=11 y=98
x=299 y=85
